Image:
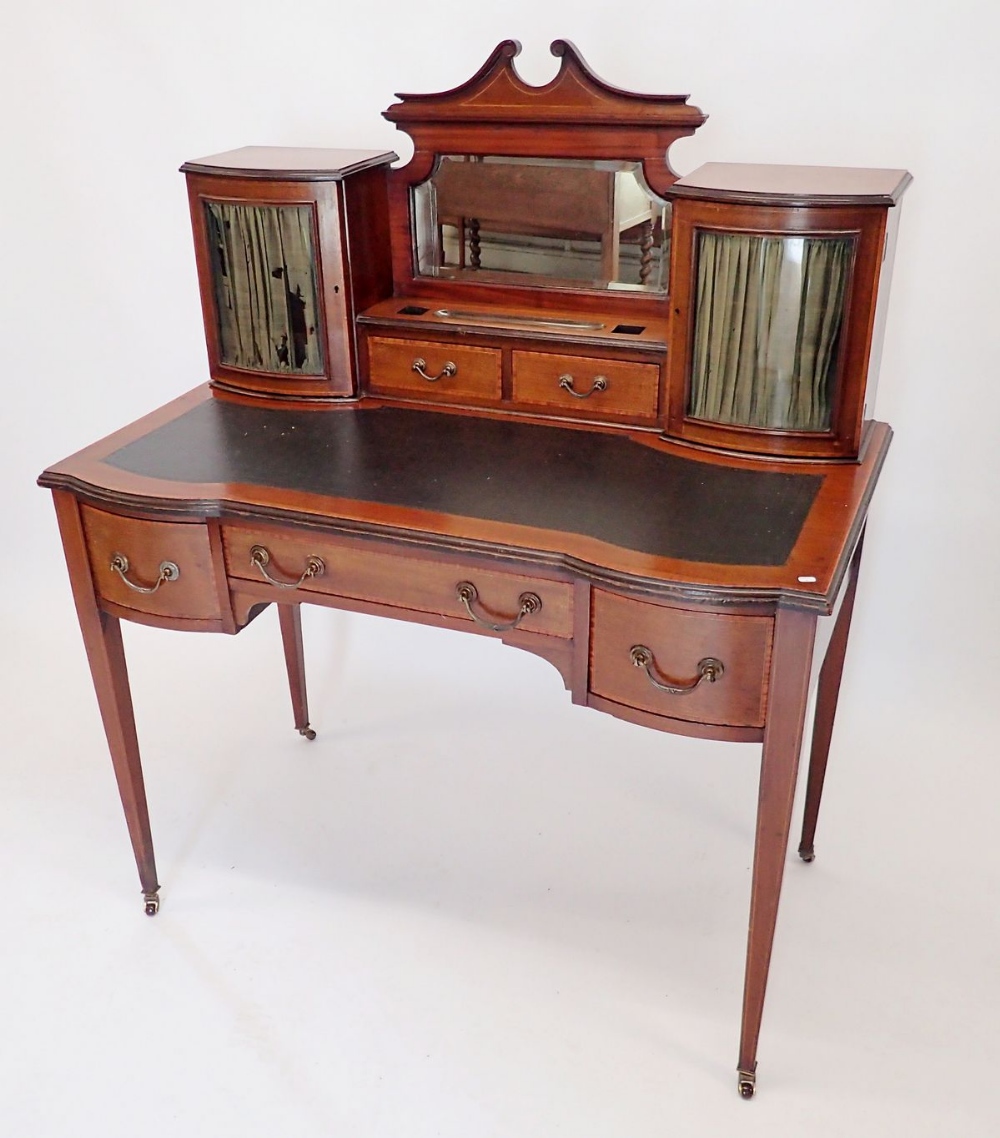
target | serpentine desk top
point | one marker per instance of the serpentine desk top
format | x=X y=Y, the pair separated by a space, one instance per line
x=626 y=501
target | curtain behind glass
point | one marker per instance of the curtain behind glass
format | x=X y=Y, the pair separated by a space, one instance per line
x=265 y=286
x=768 y=312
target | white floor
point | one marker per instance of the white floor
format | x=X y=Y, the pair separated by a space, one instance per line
x=469 y=909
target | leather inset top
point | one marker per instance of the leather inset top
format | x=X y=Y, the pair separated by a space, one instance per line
x=592 y=483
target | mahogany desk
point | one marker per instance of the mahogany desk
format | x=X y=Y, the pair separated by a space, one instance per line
x=673 y=588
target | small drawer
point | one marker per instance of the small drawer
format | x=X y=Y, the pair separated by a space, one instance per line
x=604 y=389
x=164 y=568
x=679 y=644
x=440 y=372
x=298 y=565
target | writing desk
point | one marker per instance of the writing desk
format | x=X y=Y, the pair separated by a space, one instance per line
x=677 y=589
x=642 y=451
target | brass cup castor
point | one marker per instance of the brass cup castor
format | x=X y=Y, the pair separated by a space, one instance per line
x=152 y=903
x=747 y=1084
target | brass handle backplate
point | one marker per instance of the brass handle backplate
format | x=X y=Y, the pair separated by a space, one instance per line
x=709 y=669
x=168 y=572
x=260 y=558
x=446 y=372
x=600 y=384
x=468 y=595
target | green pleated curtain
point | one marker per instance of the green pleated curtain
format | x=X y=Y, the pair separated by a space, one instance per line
x=768 y=313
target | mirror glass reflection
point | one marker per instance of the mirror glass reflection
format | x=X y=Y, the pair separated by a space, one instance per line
x=565 y=222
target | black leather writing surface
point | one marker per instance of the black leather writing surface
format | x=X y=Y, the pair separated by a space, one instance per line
x=585 y=482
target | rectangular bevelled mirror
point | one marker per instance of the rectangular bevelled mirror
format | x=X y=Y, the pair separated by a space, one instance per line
x=264 y=281
x=768 y=314
x=561 y=222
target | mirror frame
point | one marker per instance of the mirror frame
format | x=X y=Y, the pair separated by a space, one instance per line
x=497 y=114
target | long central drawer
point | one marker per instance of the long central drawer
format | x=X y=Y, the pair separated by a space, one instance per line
x=347 y=569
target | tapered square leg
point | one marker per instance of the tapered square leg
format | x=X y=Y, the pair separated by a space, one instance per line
x=827 y=694
x=788 y=692
x=290 y=619
x=103 y=640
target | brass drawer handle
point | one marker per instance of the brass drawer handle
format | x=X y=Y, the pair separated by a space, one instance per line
x=709 y=669
x=259 y=559
x=566 y=383
x=168 y=572
x=446 y=372
x=468 y=595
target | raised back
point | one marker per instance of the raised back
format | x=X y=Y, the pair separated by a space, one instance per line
x=575 y=117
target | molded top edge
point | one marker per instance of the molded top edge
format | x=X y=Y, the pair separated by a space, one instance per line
x=289 y=163
x=792 y=185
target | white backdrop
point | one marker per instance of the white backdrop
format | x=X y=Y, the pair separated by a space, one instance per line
x=101 y=318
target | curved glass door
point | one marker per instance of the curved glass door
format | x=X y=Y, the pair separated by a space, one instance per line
x=264 y=279
x=768 y=317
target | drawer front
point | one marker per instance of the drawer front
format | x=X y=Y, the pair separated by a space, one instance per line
x=610 y=389
x=164 y=568
x=678 y=640
x=393 y=579
x=457 y=373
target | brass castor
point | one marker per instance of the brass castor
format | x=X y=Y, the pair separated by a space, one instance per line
x=152 y=903
x=807 y=853
x=747 y=1083
x=308 y=732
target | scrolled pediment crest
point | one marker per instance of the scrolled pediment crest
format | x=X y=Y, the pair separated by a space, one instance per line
x=497 y=94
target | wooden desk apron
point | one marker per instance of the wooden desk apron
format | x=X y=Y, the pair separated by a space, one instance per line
x=580 y=545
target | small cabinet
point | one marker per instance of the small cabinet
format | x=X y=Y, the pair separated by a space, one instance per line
x=591 y=366
x=779 y=276
x=290 y=244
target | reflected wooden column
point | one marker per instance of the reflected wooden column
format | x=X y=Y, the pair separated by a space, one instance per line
x=475 y=243
x=788 y=692
x=646 y=251
x=102 y=638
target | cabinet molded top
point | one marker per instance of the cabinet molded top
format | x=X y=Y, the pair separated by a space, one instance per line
x=292 y=163
x=752 y=184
